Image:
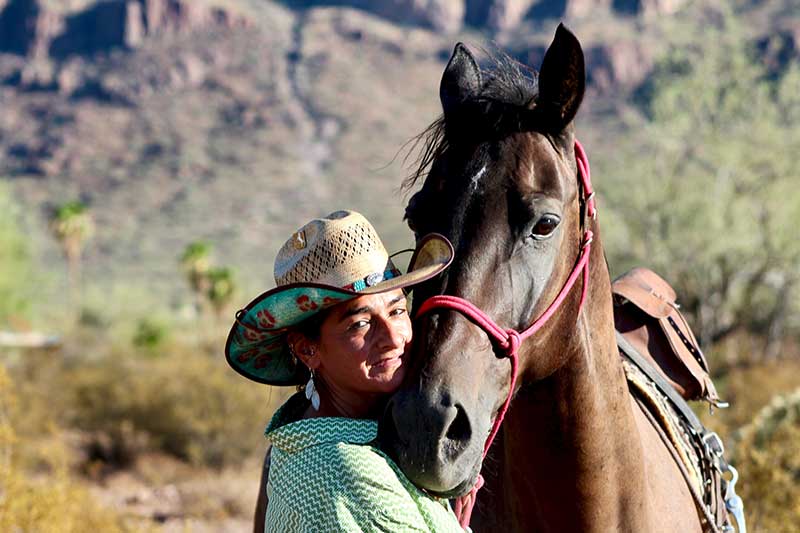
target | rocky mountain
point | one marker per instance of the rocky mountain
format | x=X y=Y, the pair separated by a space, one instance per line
x=236 y=120
x=496 y=16
x=34 y=28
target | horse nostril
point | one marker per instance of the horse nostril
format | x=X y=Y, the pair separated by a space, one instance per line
x=460 y=430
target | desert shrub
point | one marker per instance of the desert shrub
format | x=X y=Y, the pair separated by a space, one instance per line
x=150 y=334
x=184 y=404
x=43 y=503
x=56 y=504
x=749 y=389
x=767 y=455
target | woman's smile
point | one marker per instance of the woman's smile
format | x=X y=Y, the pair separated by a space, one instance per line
x=387 y=363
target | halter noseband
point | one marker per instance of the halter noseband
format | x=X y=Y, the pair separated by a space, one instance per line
x=509 y=340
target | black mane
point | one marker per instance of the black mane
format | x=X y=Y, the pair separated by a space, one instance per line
x=498 y=109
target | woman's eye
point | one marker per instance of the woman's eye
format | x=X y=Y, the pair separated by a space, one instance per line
x=358 y=324
x=545 y=226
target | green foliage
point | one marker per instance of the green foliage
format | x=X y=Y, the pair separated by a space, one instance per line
x=72 y=223
x=768 y=459
x=196 y=256
x=70 y=211
x=213 y=286
x=150 y=334
x=222 y=287
x=15 y=261
x=704 y=190
x=196 y=262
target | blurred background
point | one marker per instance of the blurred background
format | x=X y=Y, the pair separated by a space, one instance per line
x=154 y=154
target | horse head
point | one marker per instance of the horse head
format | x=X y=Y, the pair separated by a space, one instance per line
x=502 y=185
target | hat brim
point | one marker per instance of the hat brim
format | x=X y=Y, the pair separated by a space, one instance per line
x=256 y=346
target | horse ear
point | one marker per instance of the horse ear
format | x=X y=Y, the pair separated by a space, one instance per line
x=562 y=81
x=461 y=79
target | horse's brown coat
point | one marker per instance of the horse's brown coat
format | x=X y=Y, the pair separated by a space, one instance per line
x=575 y=453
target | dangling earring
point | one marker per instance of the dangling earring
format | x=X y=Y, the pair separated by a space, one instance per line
x=311 y=392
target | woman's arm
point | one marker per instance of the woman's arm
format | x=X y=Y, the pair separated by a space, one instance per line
x=263 y=500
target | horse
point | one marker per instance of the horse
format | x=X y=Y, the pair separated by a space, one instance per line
x=575 y=452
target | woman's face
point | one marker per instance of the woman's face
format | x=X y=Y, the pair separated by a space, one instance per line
x=362 y=343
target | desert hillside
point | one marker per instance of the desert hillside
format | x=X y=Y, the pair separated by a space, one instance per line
x=233 y=121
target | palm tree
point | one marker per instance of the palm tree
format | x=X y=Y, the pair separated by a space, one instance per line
x=222 y=287
x=196 y=262
x=72 y=225
x=213 y=287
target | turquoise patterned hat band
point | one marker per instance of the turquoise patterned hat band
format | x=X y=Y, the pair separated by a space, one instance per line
x=373 y=279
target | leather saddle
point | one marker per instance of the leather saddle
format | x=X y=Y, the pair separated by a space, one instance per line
x=646 y=314
x=654 y=336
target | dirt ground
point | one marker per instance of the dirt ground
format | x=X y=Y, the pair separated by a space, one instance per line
x=162 y=494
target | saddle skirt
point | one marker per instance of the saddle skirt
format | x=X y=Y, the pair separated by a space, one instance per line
x=646 y=314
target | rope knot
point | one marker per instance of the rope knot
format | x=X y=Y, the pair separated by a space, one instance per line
x=511 y=344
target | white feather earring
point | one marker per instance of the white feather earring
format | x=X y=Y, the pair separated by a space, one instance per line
x=311 y=392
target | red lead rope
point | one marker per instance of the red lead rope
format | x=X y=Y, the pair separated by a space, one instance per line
x=509 y=340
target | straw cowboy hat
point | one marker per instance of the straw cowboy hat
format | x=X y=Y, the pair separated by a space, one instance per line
x=328 y=261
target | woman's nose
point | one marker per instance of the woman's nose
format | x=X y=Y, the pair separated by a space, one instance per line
x=393 y=333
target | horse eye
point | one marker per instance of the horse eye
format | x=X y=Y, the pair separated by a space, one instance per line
x=545 y=226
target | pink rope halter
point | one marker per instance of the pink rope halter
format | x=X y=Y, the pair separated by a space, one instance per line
x=509 y=340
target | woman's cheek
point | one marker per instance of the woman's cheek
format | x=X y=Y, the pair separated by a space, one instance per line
x=357 y=346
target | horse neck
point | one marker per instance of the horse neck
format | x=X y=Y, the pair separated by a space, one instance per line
x=570 y=458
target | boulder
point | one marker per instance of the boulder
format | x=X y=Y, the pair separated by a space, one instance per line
x=617 y=65
x=660 y=7
x=582 y=8
x=446 y=16
x=506 y=14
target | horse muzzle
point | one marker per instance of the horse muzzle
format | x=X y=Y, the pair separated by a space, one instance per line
x=432 y=439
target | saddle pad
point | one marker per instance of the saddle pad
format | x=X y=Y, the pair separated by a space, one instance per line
x=668 y=419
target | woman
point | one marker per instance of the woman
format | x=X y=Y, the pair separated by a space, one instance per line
x=337 y=322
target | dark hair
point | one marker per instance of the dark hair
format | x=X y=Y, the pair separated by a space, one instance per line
x=310 y=327
x=498 y=108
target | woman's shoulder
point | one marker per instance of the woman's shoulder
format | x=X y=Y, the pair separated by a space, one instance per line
x=332 y=448
x=352 y=482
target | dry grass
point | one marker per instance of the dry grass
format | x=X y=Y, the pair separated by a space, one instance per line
x=184 y=404
x=49 y=500
x=768 y=458
x=749 y=389
x=130 y=442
